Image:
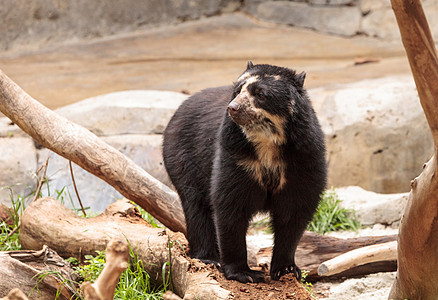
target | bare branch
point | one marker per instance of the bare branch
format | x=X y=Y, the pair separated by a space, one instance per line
x=90 y=153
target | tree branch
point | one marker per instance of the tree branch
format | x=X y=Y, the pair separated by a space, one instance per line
x=417 y=272
x=420 y=49
x=79 y=145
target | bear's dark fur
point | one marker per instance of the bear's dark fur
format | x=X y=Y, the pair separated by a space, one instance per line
x=236 y=150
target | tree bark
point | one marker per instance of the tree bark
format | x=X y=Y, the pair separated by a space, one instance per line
x=21 y=269
x=89 y=152
x=46 y=221
x=417 y=274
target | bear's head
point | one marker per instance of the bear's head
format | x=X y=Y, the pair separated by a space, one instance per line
x=264 y=99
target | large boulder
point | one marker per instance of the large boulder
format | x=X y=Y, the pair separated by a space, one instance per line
x=379 y=19
x=336 y=19
x=47 y=21
x=373 y=208
x=128 y=112
x=18 y=163
x=376 y=133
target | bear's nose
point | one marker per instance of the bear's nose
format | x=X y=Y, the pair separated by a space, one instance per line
x=233 y=107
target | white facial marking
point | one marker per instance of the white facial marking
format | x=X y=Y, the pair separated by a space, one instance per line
x=266 y=142
x=243 y=76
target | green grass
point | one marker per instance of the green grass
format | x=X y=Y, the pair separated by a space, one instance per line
x=307 y=285
x=328 y=217
x=134 y=282
x=10 y=241
x=331 y=217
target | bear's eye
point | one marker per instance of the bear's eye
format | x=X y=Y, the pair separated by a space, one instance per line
x=259 y=93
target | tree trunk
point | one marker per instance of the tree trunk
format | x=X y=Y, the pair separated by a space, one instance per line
x=22 y=269
x=89 y=152
x=46 y=221
x=417 y=273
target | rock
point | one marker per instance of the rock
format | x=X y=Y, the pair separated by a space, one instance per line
x=430 y=8
x=144 y=150
x=381 y=23
x=376 y=133
x=50 y=21
x=128 y=112
x=331 y=2
x=9 y=129
x=374 y=286
x=379 y=20
x=342 y=20
x=18 y=162
x=373 y=208
x=366 y=6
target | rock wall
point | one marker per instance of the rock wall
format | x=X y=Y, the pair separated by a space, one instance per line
x=39 y=22
x=35 y=23
x=376 y=133
x=342 y=17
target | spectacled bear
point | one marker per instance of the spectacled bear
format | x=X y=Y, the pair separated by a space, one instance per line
x=237 y=150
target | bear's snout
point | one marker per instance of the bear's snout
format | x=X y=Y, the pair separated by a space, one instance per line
x=233 y=107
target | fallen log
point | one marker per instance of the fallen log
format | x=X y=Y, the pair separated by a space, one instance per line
x=315 y=249
x=46 y=221
x=79 y=145
x=357 y=257
x=29 y=270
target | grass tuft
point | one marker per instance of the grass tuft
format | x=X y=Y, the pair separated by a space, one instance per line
x=331 y=217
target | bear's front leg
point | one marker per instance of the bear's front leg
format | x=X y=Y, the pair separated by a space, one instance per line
x=231 y=230
x=289 y=222
x=234 y=199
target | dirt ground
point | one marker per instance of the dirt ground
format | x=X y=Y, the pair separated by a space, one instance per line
x=286 y=288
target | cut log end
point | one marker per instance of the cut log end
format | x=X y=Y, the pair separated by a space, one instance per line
x=323 y=270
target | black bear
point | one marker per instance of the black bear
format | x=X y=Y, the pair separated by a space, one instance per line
x=237 y=150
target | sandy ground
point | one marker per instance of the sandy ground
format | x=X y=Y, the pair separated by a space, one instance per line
x=193 y=56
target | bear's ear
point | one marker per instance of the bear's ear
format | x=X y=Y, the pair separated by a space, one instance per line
x=300 y=78
x=249 y=65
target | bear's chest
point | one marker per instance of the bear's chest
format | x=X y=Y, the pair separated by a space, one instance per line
x=267 y=168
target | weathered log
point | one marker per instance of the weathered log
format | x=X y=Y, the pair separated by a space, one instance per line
x=417 y=272
x=315 y=249
x=48 y=221
x=358 y=257
x=116 y=261
x=79 y=145
x=27 y=269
